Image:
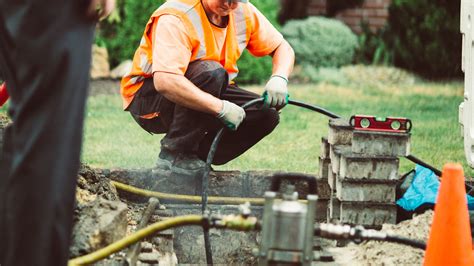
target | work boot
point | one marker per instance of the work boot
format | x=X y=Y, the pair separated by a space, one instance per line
x=165 y=160
x=188 y=164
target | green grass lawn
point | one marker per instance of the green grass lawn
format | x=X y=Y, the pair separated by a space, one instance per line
x=113 y=139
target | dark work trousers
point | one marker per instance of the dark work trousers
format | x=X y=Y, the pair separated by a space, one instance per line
x=45 y=50
x=192 y=132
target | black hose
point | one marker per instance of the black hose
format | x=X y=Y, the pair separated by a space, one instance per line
x=211 y=154
x=205 y=180
x=207 y=241
x=406 y=241
x=314 y=108
x=469 y=188
x=359 y=234
x=424 y=164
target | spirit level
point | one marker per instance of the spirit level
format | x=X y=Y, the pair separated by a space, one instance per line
x=389 y=124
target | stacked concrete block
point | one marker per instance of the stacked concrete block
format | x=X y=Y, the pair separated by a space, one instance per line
x=335 y=153
x=331 y=179
x=324 y=190
x=363 y=174
x=369 y=214
x=381 y=143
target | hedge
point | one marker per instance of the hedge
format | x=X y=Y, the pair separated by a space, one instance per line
x=424 y=37
x=321 y=42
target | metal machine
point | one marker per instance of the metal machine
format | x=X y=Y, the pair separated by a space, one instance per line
x=288 y=224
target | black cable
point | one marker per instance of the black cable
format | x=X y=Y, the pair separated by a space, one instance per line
x=207 y=241
x=207 y=246
x=424 y=164
x=358 y=234
x=204 y=195
x=406 y=241
x=314 y=108
x=469 y=188
x=205 y=180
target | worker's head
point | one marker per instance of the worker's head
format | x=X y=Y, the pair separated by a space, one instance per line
x=222 y=7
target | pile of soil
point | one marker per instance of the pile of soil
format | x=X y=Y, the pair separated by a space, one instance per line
x=101 y=218
x=96 y=199
x=384 y=253
x=92 y=183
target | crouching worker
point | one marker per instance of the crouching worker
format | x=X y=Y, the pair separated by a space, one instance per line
x=181 y=80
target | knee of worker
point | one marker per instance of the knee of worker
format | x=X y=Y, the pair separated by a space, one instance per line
x=207 y=75
x=269 y=119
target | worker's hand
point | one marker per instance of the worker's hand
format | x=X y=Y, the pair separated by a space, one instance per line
x=99 y=9
x=276 y=92
x=231 y=115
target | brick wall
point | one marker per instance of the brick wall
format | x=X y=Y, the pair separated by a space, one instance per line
x=375 y=12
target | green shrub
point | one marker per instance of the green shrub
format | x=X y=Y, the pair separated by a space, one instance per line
x=424 y=36
x=321 y=42
x=122 y=36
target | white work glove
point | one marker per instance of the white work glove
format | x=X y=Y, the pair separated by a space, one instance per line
x=231 y=115
x=276 y=92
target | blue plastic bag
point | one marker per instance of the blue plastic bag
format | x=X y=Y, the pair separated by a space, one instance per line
x=424 y=189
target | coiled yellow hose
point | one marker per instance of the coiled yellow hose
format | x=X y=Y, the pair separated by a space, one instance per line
x=187 y=198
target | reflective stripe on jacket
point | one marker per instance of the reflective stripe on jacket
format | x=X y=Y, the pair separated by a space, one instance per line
x=193 y=16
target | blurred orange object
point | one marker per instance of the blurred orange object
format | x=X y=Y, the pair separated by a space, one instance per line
x=450 y=235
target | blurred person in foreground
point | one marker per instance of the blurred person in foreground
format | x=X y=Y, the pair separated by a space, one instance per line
x=45 y=53
x=182 y=80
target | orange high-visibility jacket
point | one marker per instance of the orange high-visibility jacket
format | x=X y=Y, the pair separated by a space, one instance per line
x=193 y=16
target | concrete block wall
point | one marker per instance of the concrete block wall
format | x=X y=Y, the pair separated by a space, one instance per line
x=374 y=12
x=362 y=173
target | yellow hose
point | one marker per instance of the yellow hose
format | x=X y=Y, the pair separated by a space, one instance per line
x=135 y=237
x=187 y=198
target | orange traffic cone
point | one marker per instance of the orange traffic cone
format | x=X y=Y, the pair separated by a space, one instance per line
x=450 y=236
